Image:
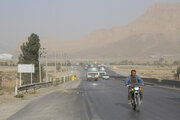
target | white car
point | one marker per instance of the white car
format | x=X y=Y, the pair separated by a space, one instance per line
x=102 y=73
x=105 y=77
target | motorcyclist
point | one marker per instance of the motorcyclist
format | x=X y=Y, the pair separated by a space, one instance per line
x=133 y=79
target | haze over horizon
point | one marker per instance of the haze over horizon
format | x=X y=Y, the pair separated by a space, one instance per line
x=65 y=19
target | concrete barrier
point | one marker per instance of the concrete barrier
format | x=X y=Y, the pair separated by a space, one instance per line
x=116 y=76
x=151 y=80
x=170 y=83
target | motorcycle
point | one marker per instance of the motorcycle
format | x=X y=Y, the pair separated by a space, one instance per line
x=135 y=95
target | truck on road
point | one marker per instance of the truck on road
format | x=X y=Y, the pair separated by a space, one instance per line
x=92 y=74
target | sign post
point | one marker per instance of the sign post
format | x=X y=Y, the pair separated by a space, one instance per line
x=31 y=77
x=16 y=87
x=25 y=68
x=20 y=78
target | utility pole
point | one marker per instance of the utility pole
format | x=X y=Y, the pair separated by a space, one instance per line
x=61 y=60
x=46 y=70
x=66 y=64
x=39 y=67
x=55 y=64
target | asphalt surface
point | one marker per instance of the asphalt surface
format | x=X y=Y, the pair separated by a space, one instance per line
x=102 y=100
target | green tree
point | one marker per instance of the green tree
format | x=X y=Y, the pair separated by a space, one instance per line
x=177 y=72
x=176 y=63
x=68 y=63
x=58 y=66
x=30 y=55
x=161 y=60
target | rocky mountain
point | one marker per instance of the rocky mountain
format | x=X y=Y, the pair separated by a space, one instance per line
x=157 y=32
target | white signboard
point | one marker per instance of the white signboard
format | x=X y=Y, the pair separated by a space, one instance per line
x=26 y=68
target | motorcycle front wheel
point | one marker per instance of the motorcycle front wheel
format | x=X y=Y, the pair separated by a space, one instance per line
x=138 y=103
x=133 y=104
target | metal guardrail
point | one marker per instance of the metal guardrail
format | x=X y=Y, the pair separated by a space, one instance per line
x=55 y=81
x=33 y=86
x=117 y=76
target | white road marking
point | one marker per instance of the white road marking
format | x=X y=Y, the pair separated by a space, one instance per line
x=94 y=84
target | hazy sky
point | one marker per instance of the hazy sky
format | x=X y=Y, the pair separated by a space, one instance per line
x=70 y=19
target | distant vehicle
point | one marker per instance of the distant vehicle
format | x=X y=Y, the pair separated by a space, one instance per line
x=86 y=66
x=101 y=68
x=105 y=77
x=102 y=73
x=91 y=65
x=102 y=65
x=92 y=74
x=77 y=64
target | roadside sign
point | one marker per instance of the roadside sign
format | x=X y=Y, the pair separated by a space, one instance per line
x=26 y=68
x=107 y=63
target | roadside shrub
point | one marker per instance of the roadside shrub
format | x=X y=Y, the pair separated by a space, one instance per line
x=176 y=63
x=19 y=96
x=177 y=72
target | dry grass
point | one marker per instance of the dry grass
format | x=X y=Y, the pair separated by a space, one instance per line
x=7 y=81
x=9 y=76
x=166 y=72
x=8 y=68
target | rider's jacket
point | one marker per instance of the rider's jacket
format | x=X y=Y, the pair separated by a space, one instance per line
x=138 y=80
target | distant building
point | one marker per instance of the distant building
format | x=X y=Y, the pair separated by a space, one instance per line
x=5 y=56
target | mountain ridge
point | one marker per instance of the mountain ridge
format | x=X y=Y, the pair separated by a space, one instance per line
x=157 y=32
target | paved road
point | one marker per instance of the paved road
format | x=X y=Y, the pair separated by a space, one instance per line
x=102 y=100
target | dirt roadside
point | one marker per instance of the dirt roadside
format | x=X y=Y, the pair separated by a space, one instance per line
x=158 y=72
x=15 y=104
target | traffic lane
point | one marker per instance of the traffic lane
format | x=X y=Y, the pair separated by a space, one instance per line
x=162 y=102
x=110 y=72
x=167 y=100
x=110 y=101
x=103 y=100
x=59 y=105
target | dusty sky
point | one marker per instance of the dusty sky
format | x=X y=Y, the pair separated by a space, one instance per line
x=69 y=19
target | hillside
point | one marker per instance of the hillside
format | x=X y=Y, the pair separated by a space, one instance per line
x=157 y=32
